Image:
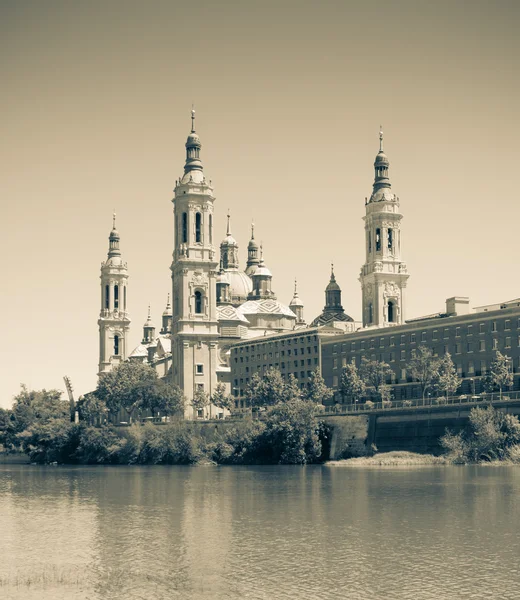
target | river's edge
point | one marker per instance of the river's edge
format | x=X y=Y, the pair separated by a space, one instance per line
x=400 y=458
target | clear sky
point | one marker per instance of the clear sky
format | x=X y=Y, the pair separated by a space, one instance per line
x=95 y=110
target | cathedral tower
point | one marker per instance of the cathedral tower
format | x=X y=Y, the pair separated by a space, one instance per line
x=194 y=273
x=383 y=277
x=114 y=323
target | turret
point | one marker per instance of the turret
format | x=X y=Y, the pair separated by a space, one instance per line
x=262 y=280
x=167 y=317
x=296 y=305
x=148 y=329
x=253 y=258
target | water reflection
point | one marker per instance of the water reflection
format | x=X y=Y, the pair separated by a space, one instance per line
x=263 y=532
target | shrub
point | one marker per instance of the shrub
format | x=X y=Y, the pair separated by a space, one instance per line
x=369 y=404
x=407 y=403
x=440 y=400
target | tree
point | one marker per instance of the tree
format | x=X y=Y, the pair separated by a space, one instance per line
x=447 y=381
x=271 y=389
x=374 y=373
x=499 y=376
x=317 y=391
x=159 y=396
x=424 y=368
x=220 y=399
x=91 y=408
x=350 y=384
x=200 y=400
x=126 y=387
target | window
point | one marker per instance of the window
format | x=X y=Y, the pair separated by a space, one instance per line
x=508 y=342
x=403 y=354
x=471 y=368
x=369 y=242
x=392 y=356
x=392 y=341
x=483 y=367
x=495 y=344
x=457 y=348
x=470 y=329
x=335 y=381
x=402 y=340
x=335 y=363
x=403 y=374
x=378 y=240
x=343 y=361
x=370 y=312
x=457 y=331
x=412 y=338
x=434 y=335
x=391 y=312
x=381 y=342
x=470 y=347
x=116 y=297
x=107 y=297
x=494 y=326
x=482 y=345
x=116 y=345
x=200 y=387
x=459 y=370
x=211 y=229
x=372 y=344
x=198 y=302
x=199 y=369
x=446 y=333
x=198 y=228
x=390 y=239
x=482 y=328
x=507 y=324
x=423 y=336
x=184 y=228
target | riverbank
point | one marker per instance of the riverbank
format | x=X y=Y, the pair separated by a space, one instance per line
x=391 y=459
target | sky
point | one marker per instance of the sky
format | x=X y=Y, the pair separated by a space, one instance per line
x=289 y=96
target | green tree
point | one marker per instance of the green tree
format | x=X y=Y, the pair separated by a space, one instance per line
x=5 y=423
x=291 y=434
x=220 y=399
x=317 y=391
x=424 y=368
x=159 y=396
x=126 y=387
x=447 y=381
x=374 y=374
x=200 y=400
x=91 y=408
x=499 y=375
x=351 y=385
x=271 y=389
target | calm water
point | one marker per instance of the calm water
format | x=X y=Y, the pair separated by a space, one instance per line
x=259 y=533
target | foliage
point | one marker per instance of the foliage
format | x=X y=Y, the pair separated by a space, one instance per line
x=271 y=389
x=90 y=407
x=126 y=387
x=52 y=441
x=446 y=380
x=489 y=436
x=424 y=368
x=499 y=375
x=220 y=399
x=374 y=373
x=159 y=396
x=351 y=385
x=291 y=434
x=5 y=422
x=200 y=399
x=317 y=391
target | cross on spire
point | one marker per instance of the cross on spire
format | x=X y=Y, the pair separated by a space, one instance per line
x=380 y=138
x=192 y=119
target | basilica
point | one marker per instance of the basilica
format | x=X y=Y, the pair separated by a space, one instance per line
x=214 y=304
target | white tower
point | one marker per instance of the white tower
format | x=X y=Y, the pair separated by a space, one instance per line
x=194 y=274
x=383 y=277
x=114 y=323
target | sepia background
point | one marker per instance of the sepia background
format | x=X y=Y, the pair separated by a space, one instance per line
x=289 y=96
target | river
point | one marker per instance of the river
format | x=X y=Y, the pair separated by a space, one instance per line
x=129 y=533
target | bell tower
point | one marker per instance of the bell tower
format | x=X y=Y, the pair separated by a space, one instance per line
x=384 y=275
x=194 y=275
x=114 y=323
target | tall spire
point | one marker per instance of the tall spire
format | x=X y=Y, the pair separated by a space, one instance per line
x=296 y=305
x=381 y=165
x=228 y=231
x=113 y=240
x=252 y=230
x=252 y=253
x=193 y=147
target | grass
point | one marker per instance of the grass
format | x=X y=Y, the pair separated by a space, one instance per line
x=391 y=459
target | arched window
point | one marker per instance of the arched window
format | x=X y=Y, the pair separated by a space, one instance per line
x=116 y=345
x=369 y=242
x=198 y=302
x=211 y=229
x=391 y=311
x=198 y=233
x=378 y=240
x=184 y=228
x=107 y=297
x=370 y=313
x=116 y=297
x=124 y=298
x=390 y=239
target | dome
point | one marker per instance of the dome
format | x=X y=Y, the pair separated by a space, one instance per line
x=332 y=286
x=328 y=316
x=296 y=301
x=382 y=195
x=229 y=240
x=262 y=271
x=114 y=234
x=194 y=176
x=267 y=306
x=240 y=284
x=252 y=244
x=193 y=140
x=222 y=278
x=382 y=159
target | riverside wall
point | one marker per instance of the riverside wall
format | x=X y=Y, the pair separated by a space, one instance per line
x=415 y=429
